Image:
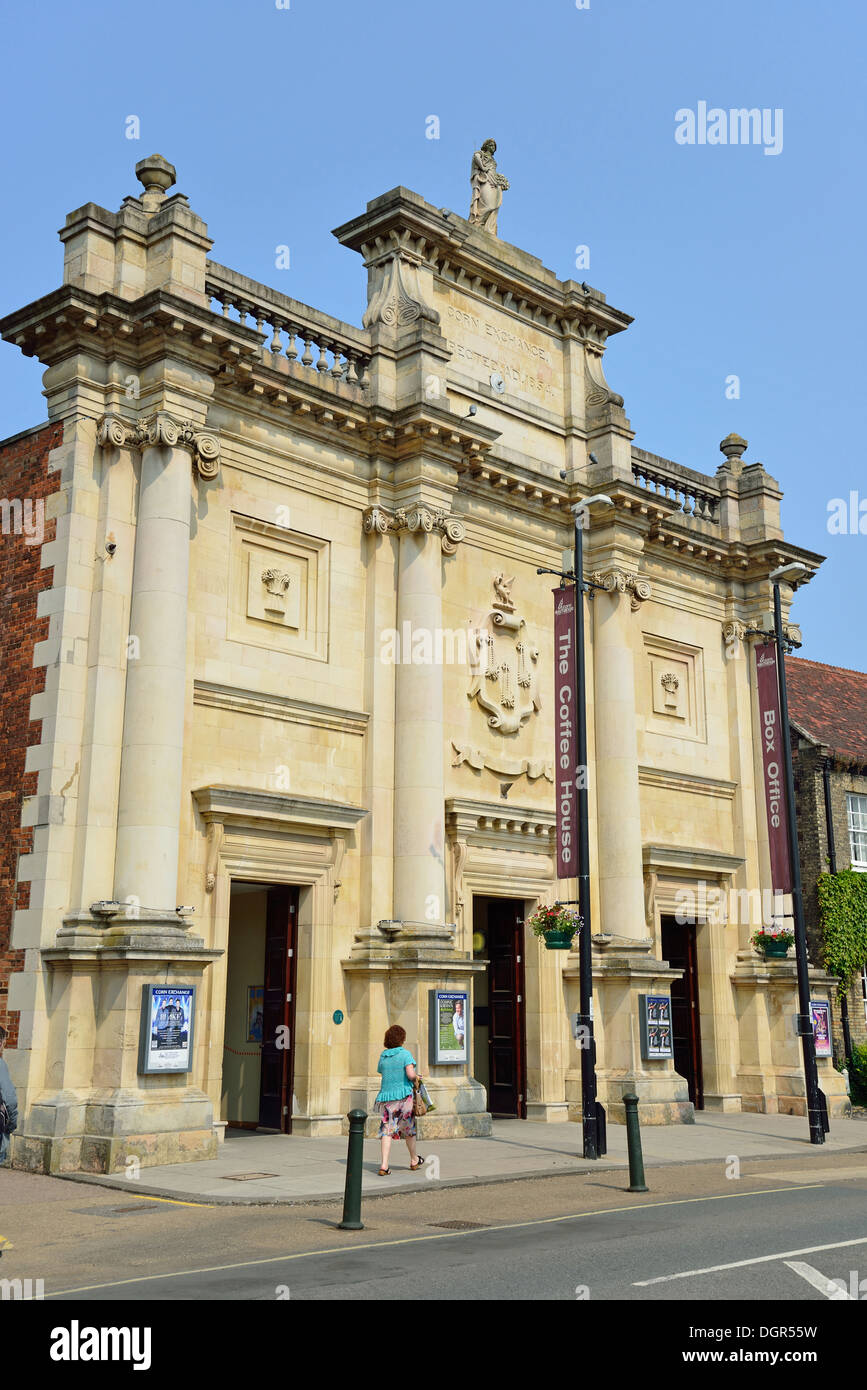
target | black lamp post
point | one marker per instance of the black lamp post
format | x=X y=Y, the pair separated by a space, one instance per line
x=817 y=1110
x=592 y=1113
x=593 y=1121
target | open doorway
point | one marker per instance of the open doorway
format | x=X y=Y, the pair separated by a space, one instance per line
x=679 y=949
x=258 y=1044
x=499 y=1048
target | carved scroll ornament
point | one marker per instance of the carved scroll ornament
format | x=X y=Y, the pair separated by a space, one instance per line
x=413 y=519
x=161 y=430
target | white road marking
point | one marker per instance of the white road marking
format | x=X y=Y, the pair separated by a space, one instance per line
x=820 y=1281
x=757 y=1260
x=445 y=1235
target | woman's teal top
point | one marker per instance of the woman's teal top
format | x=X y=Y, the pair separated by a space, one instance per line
x=392 y=1068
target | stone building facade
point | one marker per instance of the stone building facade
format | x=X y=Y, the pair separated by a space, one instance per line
x=296 y=727
x=828 y=716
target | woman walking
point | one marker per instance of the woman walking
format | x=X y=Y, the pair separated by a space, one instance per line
x=396 y=1066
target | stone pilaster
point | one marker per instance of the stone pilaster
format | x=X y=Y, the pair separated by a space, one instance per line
x=621 y=875
x=395 y=964
x=419 y=788
x=149 y=800
x=624 y=965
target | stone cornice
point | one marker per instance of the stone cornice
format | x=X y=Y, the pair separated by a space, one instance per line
x=162 y=431
x=415 y=519
x=521 y=827
x=399 y=434
x=283 y=707
x=243 y=806
x=687 y=860
x=691 y=784
x=400 y=223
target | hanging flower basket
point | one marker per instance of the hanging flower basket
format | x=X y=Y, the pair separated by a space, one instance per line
x=557 y=926
x=773 y=945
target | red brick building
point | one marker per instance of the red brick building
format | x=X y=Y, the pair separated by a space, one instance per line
x=26 y=482
x=828 y=716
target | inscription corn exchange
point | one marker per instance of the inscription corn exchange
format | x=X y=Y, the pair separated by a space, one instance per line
x=503 y=338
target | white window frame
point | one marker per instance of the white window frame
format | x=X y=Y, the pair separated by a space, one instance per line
x=856 y=810
x=864 y=989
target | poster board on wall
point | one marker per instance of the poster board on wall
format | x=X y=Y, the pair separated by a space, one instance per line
x=449 y=1027
x=654 y=1017
x=167 y=1027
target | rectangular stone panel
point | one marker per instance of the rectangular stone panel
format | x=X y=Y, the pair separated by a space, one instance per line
x=279 y=588
x=673 y=698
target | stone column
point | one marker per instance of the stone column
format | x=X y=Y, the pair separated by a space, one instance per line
x=419 y=787
x=395 y=964
x=149 y=799
x=615 y=786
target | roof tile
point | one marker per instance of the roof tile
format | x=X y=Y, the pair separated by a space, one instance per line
x=830 y=705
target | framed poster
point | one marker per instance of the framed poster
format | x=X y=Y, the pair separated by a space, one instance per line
x=820 y=1015
x=166 y=1035
x=449 y=1026
x=255 y=1012
x=654 y=1017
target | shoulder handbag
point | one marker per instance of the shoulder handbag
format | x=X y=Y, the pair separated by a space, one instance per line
x=418 y=1105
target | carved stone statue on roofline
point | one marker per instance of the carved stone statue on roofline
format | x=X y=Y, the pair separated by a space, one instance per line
x=487 y=187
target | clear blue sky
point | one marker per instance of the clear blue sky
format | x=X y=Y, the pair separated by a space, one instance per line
x=284 y=122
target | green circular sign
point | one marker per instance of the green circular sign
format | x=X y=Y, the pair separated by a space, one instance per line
x=337 y=1016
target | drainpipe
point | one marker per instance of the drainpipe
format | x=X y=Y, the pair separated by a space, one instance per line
x=832 y=863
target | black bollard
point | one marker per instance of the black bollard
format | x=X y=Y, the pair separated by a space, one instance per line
x=633 y=1144
x=354 y=1161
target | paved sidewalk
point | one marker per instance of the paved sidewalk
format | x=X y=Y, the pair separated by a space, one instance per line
x=297 y=1170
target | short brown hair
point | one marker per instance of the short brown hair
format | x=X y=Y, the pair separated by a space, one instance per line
x=395 y=1036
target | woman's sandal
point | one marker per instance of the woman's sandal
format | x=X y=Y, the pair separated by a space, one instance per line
x=384 y=1172
x=414 y=1167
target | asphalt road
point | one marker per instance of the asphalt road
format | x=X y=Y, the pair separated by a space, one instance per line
x=650 y=1252
x=767 y=1238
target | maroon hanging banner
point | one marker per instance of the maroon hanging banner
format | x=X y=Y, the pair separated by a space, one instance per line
x=773 y=766
x=566 y=732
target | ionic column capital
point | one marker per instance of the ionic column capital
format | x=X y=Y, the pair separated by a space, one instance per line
x=623 y=582
x=162 y=430
x=736 y=631
x=414 y=519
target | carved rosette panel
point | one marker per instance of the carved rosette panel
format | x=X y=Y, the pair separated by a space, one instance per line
x=414 y=519
x=161 y=430
x=623 y=582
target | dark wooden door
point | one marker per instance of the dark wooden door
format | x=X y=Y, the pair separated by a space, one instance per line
x=679 y=949
x=278 y=1013
x=506 y=1047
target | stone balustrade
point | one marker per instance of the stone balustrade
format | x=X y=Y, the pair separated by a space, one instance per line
x=295 y=333
x=694 y=499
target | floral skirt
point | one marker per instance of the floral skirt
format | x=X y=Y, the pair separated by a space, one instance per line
x=396 y=1119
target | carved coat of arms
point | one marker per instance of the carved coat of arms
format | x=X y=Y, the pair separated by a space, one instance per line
x=505 y=664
